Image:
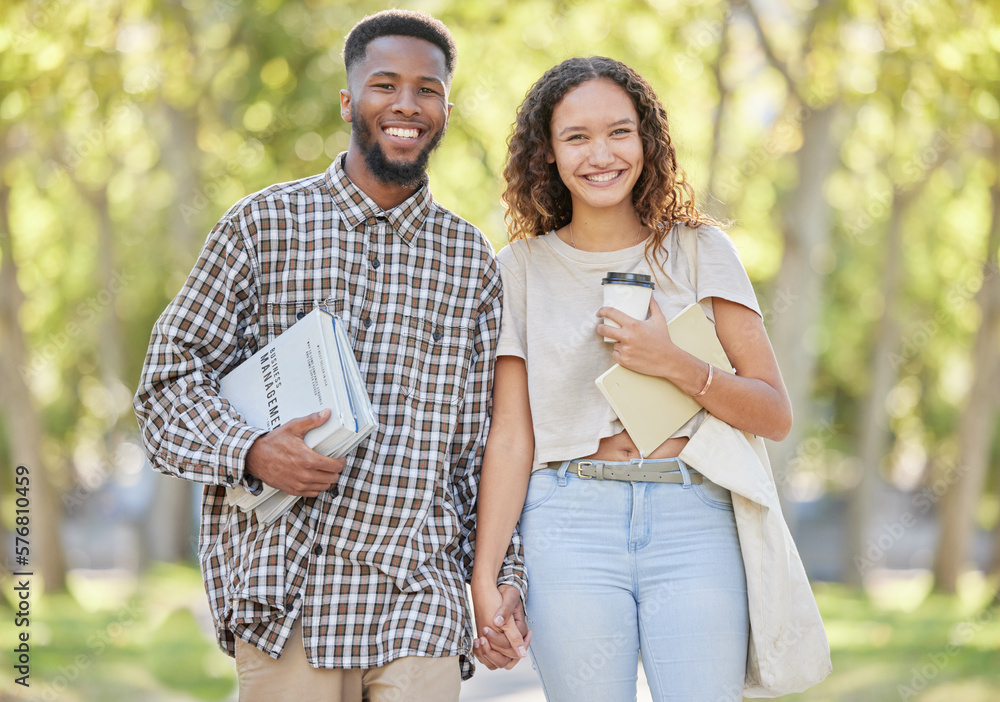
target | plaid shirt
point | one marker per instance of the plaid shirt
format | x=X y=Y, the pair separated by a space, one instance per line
x=379 y=572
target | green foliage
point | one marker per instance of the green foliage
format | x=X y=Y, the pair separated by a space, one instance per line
x=129 y=127
x=904 y=644
x=118 y=639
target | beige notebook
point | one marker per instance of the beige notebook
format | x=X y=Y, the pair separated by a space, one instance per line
x=652 y=408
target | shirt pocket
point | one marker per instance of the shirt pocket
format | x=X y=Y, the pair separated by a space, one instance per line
x=435 y=361
x=277 y=317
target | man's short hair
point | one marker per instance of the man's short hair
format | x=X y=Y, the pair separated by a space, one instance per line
x=406 y=23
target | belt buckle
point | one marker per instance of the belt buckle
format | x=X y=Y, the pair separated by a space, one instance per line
x=581 y=464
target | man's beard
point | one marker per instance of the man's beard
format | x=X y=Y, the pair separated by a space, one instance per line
x=391 y=172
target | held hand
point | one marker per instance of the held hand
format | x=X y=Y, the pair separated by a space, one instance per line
x=504 y=638
x=642 y=346
x=281 y=459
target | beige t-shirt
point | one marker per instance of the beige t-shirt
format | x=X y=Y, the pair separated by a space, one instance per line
x=551 y=294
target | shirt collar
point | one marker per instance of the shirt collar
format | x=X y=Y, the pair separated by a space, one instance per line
x=406 y=218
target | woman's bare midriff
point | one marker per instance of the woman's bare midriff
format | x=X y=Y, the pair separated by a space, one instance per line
x=620 y=447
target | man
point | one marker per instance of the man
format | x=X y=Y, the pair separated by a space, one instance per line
x=360 y=588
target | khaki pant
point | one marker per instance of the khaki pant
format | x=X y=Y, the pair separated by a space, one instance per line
x=291 y=678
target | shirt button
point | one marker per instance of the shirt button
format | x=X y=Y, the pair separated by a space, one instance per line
x=300 y=314
x=367 y=322
x=317 y=549
x=375 y=263
x=437 y=335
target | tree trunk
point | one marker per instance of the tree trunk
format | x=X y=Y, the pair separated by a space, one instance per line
x=796 y=300
x=716 y=204
x=994 y=567
x=169 y=534
x=958 y=508
x=874 y=427
x=24 y=424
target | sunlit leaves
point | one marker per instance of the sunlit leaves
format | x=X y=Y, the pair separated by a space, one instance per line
x=170 y=112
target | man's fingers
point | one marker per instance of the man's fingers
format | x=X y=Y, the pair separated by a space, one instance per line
x=499 y=642
x=329 y=468
x=316 y=478
x=281 y=459
x=301 y=425
x=492 y=657
x=477 y=648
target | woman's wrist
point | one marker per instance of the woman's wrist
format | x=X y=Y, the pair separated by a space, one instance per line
x=683 y=369
x=708 y=382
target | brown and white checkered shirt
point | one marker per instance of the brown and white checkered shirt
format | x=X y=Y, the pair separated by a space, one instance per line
x=379 y=572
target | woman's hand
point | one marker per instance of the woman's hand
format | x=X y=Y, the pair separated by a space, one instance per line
x=502 y=634
x=753 y=399
x=643 y=346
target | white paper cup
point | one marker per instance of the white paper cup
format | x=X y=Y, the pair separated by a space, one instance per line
x=628 y=292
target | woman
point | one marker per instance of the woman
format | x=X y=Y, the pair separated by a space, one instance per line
x=615 y=566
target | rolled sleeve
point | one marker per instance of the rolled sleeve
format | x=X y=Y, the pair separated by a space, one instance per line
x=512 y=571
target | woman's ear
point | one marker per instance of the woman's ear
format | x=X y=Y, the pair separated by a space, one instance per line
x=550 y=157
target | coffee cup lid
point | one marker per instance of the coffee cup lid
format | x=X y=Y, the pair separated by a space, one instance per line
x=640 y=279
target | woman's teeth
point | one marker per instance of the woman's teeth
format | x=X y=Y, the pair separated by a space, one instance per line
x=603 y=177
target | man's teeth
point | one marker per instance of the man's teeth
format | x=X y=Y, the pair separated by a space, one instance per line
x=603 y=177
x=402 y=133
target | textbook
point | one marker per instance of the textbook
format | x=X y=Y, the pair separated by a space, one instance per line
x=308 y=368
x=652 y=408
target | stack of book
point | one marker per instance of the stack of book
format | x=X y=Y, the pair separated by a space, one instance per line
x=309 y=368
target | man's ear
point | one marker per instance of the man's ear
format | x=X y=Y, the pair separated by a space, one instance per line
x=345 y=105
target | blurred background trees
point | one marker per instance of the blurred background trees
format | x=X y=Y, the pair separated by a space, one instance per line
x=853 y=146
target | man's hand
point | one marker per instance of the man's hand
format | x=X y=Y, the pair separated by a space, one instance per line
x=506 y=642
x=281 y=459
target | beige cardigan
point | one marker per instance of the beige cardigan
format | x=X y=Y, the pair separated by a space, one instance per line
x=788 y=649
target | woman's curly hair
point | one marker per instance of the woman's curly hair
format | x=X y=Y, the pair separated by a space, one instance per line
x=536 y=199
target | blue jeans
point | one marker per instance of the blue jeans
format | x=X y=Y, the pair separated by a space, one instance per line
x=616 y=567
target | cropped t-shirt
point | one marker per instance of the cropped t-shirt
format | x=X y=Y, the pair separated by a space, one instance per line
x=551 y=294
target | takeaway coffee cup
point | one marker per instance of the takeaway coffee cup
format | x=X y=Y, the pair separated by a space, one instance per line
x=628 y=292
